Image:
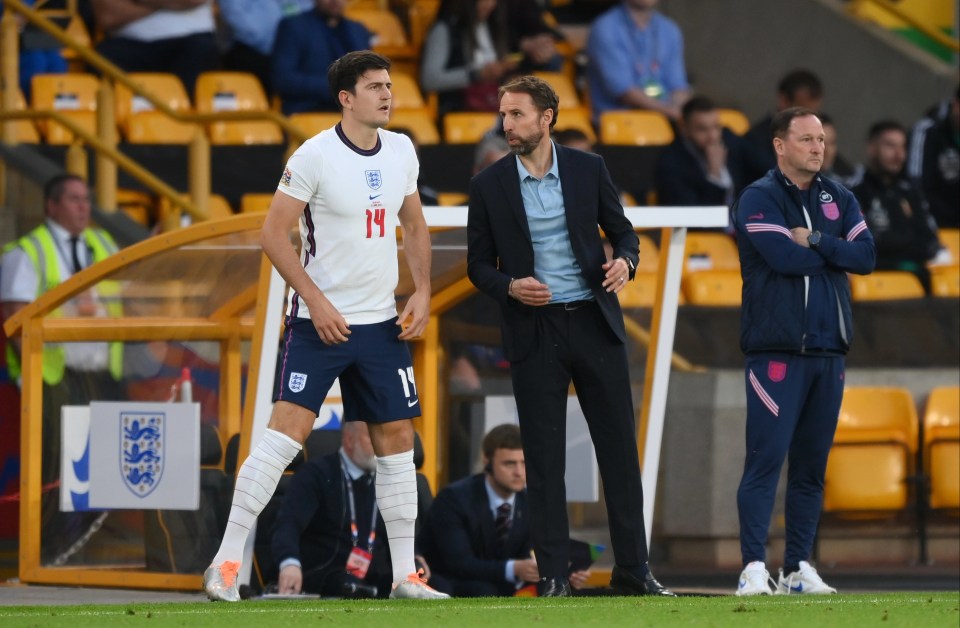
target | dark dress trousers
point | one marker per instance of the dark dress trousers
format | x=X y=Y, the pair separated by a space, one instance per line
x=459 y=539
x=548 y=347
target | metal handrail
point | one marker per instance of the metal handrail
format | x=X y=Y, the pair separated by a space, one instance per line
x=140 y=173
x=116 y=74
x=944 y=40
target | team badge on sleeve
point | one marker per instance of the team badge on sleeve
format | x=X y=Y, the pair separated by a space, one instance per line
x=374 y=180
x=285 y=178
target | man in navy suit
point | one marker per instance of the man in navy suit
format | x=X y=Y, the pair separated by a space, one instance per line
x=477 y=532
x=533 y=245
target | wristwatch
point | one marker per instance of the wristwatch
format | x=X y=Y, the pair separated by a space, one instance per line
x=629 y=262
x=814 y=239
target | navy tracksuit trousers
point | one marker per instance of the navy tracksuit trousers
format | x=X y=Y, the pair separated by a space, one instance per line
x=793 y=402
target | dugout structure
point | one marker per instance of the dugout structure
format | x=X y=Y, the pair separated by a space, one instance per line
x=206 y=298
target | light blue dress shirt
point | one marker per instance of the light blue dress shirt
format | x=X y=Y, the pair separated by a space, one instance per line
x=553 y=260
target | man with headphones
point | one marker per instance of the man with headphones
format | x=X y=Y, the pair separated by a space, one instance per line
x=476 y=535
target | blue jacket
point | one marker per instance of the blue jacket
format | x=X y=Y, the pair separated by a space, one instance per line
x=797 y=299
x=303 y=50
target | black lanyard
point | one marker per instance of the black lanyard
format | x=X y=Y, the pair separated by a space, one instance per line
x=354 y=531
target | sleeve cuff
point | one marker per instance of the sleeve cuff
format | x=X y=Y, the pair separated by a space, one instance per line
x=509 y=573
x=288 y=562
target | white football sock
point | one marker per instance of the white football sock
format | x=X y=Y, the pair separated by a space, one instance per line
x=397 y=501
x=256 y=483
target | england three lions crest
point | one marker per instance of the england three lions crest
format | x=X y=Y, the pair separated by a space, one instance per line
x=142 y=450
x=374 y=181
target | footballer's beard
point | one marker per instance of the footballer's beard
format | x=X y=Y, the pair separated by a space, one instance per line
x=526 y=144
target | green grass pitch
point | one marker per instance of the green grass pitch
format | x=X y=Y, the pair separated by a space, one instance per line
x=916 y=610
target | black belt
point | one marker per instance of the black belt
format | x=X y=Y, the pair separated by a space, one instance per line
x=569 y=305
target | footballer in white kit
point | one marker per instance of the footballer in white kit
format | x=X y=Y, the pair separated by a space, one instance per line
x=348 y=188
x=348 y=227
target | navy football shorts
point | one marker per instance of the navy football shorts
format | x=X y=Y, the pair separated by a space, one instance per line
x=374 y=367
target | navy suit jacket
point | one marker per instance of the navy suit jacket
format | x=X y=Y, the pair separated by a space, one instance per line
x=499 y=247
x=459 y=537
x=303 y=50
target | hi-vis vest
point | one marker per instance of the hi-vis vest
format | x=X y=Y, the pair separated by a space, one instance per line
x=41 y=248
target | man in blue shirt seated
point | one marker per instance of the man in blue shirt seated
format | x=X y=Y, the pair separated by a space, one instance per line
x=636 y=61
x=477 y=532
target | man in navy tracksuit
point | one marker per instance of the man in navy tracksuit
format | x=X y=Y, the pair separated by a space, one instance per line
x=798 y=235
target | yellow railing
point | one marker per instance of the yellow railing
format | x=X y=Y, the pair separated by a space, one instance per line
x=856 y=6
x=198 y=162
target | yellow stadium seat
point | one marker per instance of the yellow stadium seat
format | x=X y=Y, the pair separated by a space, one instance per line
x=252 y=202
x=564 y=87
x=383 y=23
x=170 y=215
x=406 y=92
x=950 y=239
x=140 y=122
x=649 y=255
x=941 y=440
x=419 y=122
x=640 y=292
x=635 y=127
x=871 y=460
x=713 y=287
x=467 y=127
x=735 y=120
x=235 y=91
x=710 y=250
x=577 y=119
x=136 y=204
x=72 y=95
x=945 y=281
x=885 y=285
x=421 y=16
x=24 y=131
x=313 y=123
x=452 y=199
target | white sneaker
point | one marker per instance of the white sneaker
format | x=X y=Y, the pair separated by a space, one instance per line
x=803 y=581
x=220 y=582
x=754 y=580
x=415 y=588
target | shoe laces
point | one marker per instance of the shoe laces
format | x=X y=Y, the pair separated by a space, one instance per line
x=756 y=576
x=228 y=572
x=417 y=578
x=808 y=573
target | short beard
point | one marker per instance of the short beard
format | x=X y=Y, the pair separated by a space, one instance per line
x=526 y=146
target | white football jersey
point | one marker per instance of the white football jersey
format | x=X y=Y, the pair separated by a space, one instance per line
x=348 y=228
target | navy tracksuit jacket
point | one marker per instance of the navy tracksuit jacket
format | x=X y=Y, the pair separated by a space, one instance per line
x=796 y=327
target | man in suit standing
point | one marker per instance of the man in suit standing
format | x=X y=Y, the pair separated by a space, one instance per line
x=477 y=533
x=533 y=245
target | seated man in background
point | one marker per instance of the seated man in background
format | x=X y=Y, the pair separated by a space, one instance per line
x=175 y=36
x=305 y=46
x=329 y=537
x=894 y=206
x=935 y=160
x=798 y=88
x=477 y=533
x=636 y=61
x=706 y=164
